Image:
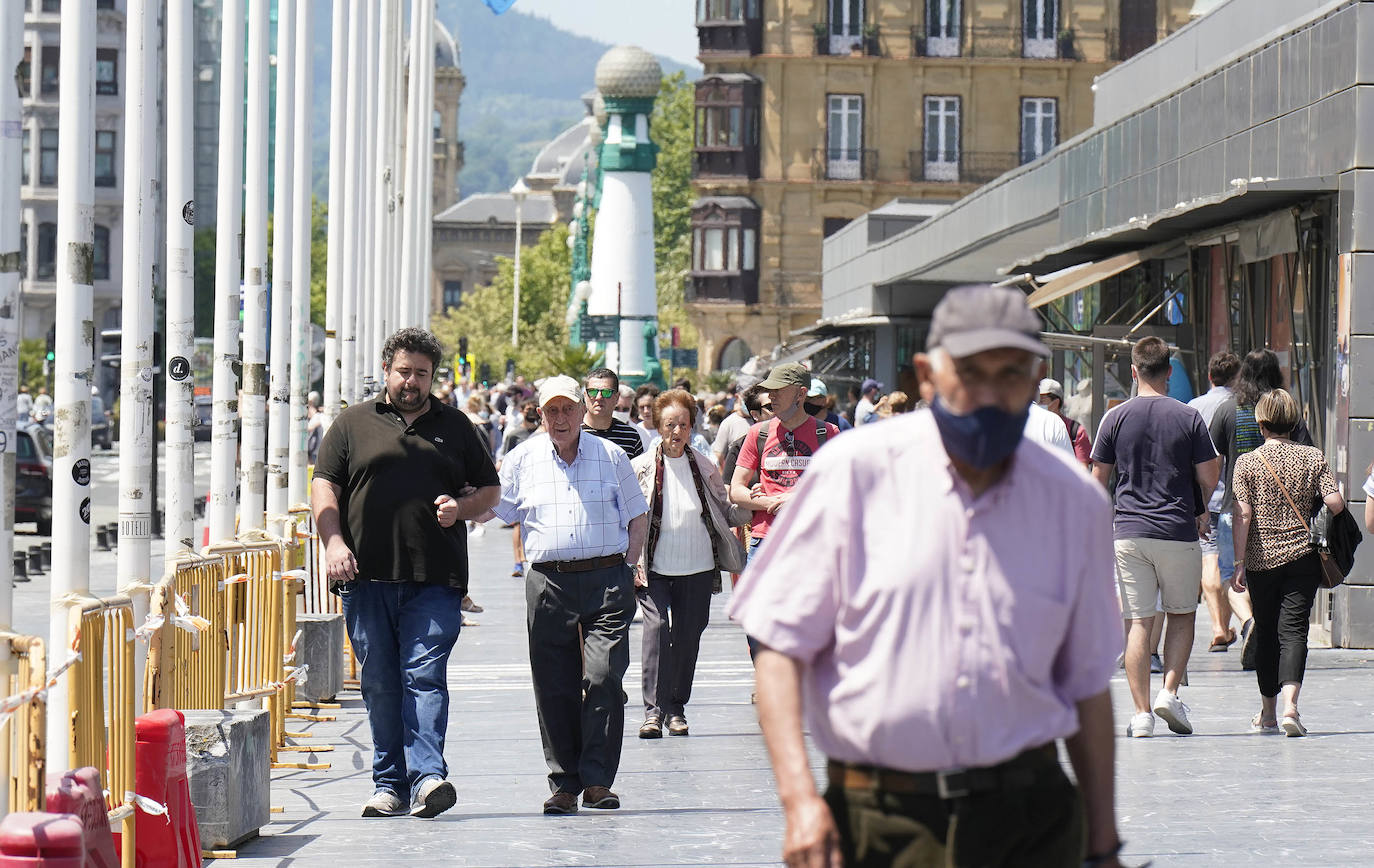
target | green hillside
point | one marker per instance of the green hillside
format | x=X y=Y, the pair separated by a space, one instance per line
x=524 y=77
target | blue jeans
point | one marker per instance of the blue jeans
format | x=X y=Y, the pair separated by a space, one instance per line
x=402 y=634
x=1226 y=547
x=755 y=543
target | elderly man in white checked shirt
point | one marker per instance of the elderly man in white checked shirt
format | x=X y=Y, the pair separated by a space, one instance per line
x=584 y=522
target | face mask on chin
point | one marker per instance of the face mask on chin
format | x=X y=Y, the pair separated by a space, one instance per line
x=814 y=409
x=983 y=438
x=532 y=418
x=622 y=415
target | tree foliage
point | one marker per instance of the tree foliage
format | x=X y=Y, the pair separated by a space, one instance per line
x=484 y=317
x=672 y=185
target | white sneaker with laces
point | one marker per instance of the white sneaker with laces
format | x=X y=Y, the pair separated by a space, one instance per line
x=384 y=803
x=1173 y=712
x=1142 y=725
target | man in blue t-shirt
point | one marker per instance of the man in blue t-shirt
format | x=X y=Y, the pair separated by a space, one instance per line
x=1164 y=460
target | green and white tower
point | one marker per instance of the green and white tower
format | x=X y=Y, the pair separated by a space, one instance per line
x=623 y=250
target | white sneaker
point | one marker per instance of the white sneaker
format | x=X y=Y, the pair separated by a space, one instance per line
x=384 y=803
x=435 y=796
x=1142 y=725
x=1172 y=710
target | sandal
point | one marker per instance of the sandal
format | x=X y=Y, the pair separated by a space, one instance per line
x=1257 y=725
x=1292 y=726
x=1223 y=644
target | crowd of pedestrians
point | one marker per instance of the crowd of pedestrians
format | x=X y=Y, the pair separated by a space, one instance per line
x=880 y=571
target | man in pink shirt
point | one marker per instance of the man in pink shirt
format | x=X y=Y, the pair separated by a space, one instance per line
x=939 y=590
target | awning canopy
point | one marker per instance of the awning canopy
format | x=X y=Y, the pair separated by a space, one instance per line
x=805 y=351
x=1086 y=275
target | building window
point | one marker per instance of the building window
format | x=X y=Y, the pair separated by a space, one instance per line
x=942 y=138
x=727 y=126
x=23 y=250
x=1039 y=127
x=846 y=25
x=47 y=251
x=725 y=249
x=1040 y=22
x=107 y=71
x=438 y=125
x=47 y=157
x=23 y=74
x=104 y=158
x=104 y=4
x=453 y=293
x=844 y=137
x=25 y=155
x=100 y=258
x=49 y=66
x=734 y=354
x=52 y=5
x=726 y=10
x=942 y=28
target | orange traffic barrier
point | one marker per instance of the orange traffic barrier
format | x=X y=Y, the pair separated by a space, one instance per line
x=24 y=730
x=34 y=840
x=78 y=793
x=171 y=841
x=101 y=686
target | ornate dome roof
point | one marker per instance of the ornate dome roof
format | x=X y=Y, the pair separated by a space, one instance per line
x=445 y=47
x=629 y=72
x=599 y=110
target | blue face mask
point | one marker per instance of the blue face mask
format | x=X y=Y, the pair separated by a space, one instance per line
x=987 y=436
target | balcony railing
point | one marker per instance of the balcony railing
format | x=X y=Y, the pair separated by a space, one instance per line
x=992 y=42
x=743 y=36
x=865 y=44
x=845 y=164
x=968 y=167
x=739 y=287
x=726 y=162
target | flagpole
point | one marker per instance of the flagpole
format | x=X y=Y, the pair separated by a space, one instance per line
x=384 y=208
x=301 y=237
x=337 y=241
x=279 y=336
x=369 y=344
x=357 y=27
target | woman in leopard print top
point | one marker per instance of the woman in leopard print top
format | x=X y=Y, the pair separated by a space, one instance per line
x=1274 y=557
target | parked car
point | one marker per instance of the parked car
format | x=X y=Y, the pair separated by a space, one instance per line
x=205 y=411
x=33 y=477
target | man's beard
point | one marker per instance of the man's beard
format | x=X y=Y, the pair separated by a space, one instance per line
x=406 y=399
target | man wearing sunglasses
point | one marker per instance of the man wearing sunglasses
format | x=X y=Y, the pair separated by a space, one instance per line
x=602 y=388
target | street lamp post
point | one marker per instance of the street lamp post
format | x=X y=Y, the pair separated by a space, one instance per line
x=518 y=193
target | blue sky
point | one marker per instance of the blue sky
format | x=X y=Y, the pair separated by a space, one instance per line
x=665 y=27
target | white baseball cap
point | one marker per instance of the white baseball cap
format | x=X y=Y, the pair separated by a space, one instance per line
x=561 y=386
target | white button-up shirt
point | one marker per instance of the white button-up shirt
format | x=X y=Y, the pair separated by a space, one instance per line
x=570 y=511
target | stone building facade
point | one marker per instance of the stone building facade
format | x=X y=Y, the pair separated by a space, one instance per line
x=827 y=110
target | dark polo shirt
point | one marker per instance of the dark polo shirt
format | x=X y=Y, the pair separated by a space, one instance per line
x=391 y=474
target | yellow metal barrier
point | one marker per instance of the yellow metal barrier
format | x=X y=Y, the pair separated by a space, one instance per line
x=187 y=653
x=101 y=688
x=22 y=734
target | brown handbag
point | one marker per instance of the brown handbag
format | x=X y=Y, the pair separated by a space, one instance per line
x=1331 y=573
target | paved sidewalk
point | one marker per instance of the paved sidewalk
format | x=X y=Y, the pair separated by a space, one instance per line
x=1220 y=796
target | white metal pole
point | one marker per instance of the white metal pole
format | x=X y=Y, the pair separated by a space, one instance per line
x=133 y=557
x=279 y=417
x=11 y=50
x=353 y=162
x=253 y=407
x=228 y=214
x=301 y=216
x=395 y=304
x=410 y=251
x=367 y=247
x=515 y=294
x=337 y=242
x=381 y=210
x=181 y=288
x=75 y=360
x=425 y=237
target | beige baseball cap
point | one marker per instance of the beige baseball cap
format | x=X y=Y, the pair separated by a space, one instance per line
x=561 y=386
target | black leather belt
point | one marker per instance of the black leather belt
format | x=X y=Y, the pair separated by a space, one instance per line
x=1020 y=771
x=581 y=566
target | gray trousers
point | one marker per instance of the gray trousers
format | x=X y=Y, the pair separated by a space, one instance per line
x=579 y=632
x=676 y=611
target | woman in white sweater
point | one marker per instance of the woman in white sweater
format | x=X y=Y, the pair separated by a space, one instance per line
x=689 y=544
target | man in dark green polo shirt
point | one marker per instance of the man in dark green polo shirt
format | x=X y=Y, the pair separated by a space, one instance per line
x=396 y=479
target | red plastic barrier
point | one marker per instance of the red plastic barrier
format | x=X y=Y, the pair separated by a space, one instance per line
x=80 y=792
x=172 y=841
x=47 y=840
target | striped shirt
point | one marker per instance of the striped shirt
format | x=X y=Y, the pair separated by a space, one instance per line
x=570 y=511
x=622 y=434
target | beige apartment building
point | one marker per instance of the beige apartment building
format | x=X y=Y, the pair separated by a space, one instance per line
x=812 y=112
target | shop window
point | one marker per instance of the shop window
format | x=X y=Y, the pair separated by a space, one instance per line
x=47 y=157
x=49 y=69
x=47 y=251
x=727 y=127
x=100 y=259
x=104 y=158
x=107 y=71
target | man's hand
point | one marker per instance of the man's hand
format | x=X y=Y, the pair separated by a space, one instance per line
x=446 y=510
x=779 y=500
x=1238 y=579
x=1204 y=525
x=811 y=839
x=641 y=578
x=339 y=563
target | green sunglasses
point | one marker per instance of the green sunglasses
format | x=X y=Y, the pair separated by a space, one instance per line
x=601 y=393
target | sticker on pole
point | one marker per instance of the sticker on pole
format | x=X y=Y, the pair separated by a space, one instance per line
x=81 y=472
x=86 y=510
x=188 y=212
x=179 y=368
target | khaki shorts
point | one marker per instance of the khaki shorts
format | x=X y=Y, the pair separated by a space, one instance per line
x=1158 y=569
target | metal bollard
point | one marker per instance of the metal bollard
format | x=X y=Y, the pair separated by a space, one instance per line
x=21 y=567
x=35 y=562
x=47 y=555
